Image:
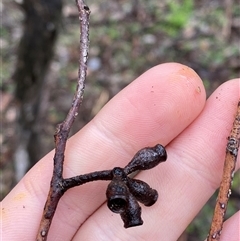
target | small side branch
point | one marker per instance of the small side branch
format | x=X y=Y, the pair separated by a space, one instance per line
x=228 y=173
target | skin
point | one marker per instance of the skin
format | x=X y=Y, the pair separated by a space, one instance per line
x=165 y=105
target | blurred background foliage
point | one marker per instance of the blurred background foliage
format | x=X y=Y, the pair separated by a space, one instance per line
x=126 y=39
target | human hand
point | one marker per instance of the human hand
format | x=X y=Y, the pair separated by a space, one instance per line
x=165 y=105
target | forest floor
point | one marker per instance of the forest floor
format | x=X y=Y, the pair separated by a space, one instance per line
x=126 y=39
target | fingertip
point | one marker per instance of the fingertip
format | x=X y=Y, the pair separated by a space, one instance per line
x=228 y=92
x=162 y=95
x=174 y=73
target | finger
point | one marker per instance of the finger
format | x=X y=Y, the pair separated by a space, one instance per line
x=154 y=108
x=184 y=182
x=231 y=228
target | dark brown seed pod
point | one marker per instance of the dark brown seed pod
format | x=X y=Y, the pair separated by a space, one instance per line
x=132 y=215
x=117 y=196
x=117 y=191
x=146 y=158
x=142 y=192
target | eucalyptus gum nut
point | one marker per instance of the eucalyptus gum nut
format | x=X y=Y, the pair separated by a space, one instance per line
x=117 y=196
x=146 y=158
x=132 y=215
x=142 y=192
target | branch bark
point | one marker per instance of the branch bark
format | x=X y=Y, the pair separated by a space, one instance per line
x=56 y=191
x=226 y=183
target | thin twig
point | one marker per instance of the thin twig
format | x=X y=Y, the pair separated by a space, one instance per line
x=56 y=191
x=228 y=173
